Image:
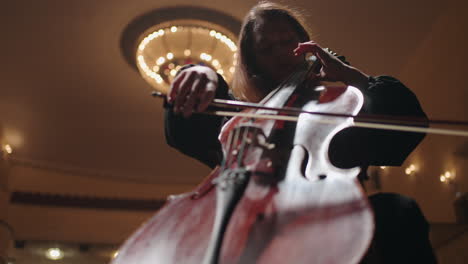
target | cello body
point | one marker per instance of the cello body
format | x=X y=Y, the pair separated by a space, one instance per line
x=296 y=207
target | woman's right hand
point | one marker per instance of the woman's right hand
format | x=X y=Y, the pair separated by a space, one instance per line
x=192 y=90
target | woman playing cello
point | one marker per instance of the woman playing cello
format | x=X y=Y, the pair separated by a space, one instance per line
x=273 y=42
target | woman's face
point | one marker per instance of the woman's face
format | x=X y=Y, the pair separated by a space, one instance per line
x=274 y=42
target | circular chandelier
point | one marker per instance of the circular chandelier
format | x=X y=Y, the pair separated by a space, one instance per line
x=165 y=48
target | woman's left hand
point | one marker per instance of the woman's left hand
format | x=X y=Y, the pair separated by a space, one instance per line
x=333 y=69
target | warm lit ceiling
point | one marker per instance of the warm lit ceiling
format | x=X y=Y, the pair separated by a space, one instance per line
x=70 y=100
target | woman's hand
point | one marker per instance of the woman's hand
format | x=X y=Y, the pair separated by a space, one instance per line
x=333 y=69
x=193 y=89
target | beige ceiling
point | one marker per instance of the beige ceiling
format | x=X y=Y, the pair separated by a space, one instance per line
x=68 y=98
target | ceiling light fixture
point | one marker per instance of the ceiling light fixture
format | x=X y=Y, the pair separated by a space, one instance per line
x=164 y=50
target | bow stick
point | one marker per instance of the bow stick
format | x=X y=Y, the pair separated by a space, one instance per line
x=367 y=121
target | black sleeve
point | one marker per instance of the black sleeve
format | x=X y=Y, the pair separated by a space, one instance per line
x=362 y=146
x=197 y=136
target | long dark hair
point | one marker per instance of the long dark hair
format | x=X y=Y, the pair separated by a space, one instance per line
x=248 y=85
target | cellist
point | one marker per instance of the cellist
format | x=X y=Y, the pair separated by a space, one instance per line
x=273 y=42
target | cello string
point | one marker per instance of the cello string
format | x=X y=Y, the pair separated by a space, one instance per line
x=243 y=143
x=228 y=149
x=293 y=77
x=248 y=124
x=234 y=145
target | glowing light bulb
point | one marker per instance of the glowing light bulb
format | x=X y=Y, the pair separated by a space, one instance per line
x=187 y=52
x=410 y=169
x=205 y=56
x=54 y=253
x=442 y=178
x=8 y=149
x=173 y=29
x=159 y=79
x=160 y=61
x=170 y=56
x=448 y=175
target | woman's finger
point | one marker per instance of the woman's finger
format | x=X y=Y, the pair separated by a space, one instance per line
x=175 y=85
x=305 y=47
x=184 y=88
x=207 y=96
x=194 y=95
x=311 y=46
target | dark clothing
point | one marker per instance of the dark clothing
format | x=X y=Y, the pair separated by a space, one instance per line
x=197 y=136
x=401 y=234
x=356 y=146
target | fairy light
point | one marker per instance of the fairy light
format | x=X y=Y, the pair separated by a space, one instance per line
x=54 y=253
x=206 y=57
x=8 y=148
x=170 y=56
x=159 y=79
x=411 y=169
x=447 y=177
x=187 y=52
x=160 y=61
x=442 y=178
x=173 y=29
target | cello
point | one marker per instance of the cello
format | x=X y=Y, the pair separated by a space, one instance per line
x=277 y=196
